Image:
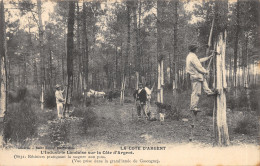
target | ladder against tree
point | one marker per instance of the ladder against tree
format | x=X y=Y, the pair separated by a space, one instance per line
x=221 y=135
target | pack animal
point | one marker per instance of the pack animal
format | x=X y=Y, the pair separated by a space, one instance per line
x=97 y=94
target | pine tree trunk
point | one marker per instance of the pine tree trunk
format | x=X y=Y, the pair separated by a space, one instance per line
x=3 y=55
x=176 y=74
x=162 y=80
x=85 y=48
x=63 y=59
x=35 y=71
x=128 y=42
x=139 y=45
x=24 y=70
x=35 y=74
x=70 y=46
x=230 y=73
x=79 y=80
x=159 y=39
x=221 y=85
x=39 y=10
x=137 y=38
x=159 y=83
x=122 y=63
x=254 y=74
x=246 y=62
x=122 y=96
x=50 y=66
x=236 y=44
x=116 y=66
x=128 y=38
x=19 y=76
x=170 y=66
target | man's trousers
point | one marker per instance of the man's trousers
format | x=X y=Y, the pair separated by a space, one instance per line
x=196 y=92
x=60 y=110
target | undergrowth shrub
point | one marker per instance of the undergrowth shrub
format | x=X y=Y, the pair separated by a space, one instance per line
x=246 y=125
x=88 y=102
x=60 y=131
x=44 y=116
x=35 y=93
x=168 y=86
x=49 y=99
x=173 y=114
x=77 y=98
x=89 y=117
x=206 y=102
x=20 y=122
x=242 y=100
x=128 y=101
x=254 y=100
x=17 y=96
x=78 y=112
x=231 y=102
x=209 y=112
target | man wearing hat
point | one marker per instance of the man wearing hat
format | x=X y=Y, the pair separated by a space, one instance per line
x=59 y=100
x=197 y=72
x=141 y=98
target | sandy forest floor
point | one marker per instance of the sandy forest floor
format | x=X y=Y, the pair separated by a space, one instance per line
x=112 y=126
x=117 y=125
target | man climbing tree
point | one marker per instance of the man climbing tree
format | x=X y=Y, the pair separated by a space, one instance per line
x=197 y=76
x=197 y=72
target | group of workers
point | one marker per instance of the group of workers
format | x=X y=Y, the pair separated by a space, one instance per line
x=198 y=81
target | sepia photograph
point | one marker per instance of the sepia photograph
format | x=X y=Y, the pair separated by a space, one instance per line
x=130 y=82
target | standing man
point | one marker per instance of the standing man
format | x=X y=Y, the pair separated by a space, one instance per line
x=197 y=72
x=141 y=98
x=59 y=100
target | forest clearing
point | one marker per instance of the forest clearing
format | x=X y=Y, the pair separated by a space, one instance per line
x=111 y=124
x=114 y=125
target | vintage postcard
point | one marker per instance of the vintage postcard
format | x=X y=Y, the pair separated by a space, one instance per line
x=129 y=82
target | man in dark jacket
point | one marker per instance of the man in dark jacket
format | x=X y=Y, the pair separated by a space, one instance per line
x=141 y=98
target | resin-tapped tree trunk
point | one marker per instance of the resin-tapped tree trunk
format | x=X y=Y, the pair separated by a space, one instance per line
x=122 y=96
x=3 y=54
x=160 y=80
x=221 y=85
x=70 y=47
